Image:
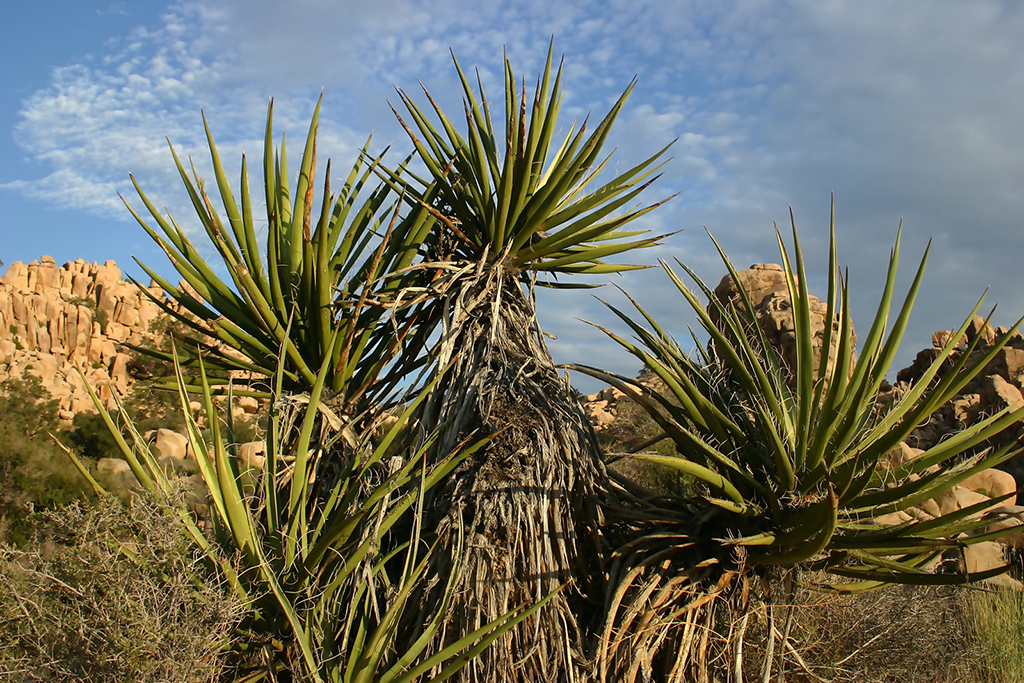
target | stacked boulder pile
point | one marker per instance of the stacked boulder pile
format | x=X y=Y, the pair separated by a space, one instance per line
x=54 y=318
x=601 y=408
x=999 y=386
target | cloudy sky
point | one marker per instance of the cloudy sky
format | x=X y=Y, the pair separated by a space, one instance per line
x=907 y=110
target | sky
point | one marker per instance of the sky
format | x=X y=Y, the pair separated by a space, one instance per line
x=906 y=111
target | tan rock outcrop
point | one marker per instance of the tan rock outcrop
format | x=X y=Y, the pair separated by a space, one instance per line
x=252 y=454
x=54 y=319
x=992 y=483
x=769 y=295
x=169 y=444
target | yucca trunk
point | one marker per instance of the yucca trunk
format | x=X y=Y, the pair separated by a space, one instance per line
x=520 y=518
x=537 y=509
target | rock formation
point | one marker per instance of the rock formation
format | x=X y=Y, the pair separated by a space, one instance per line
x=769 y=294
x=998 y=386
x=54 y=318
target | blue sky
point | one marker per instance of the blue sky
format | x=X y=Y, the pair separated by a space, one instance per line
x=909 y=109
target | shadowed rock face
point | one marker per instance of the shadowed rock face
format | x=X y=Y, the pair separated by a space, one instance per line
x=998 y=386
x=769 y=294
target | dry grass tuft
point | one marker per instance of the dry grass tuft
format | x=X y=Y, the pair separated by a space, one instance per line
x=899 y=634
x=997 y=623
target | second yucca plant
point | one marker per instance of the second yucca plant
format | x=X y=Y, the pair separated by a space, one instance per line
x=307 y=543
x=792 y=457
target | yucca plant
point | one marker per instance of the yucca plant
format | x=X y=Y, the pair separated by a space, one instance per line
x=320 y=265
x=514 y=207
x=307 y=541
x=329 y=533
x=791 y=459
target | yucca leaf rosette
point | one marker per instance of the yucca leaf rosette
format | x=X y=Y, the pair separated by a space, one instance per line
x=795 y=456
x=517 y=194
x=326 y=265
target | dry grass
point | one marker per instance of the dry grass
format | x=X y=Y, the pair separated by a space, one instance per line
x=997 y=623
x=900 y=634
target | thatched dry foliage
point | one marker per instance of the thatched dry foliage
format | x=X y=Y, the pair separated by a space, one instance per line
x=526 y=505
x=665 y=616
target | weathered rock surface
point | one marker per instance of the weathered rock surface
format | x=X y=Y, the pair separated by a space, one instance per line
x=769 y=295
x=53 y=319
x=170 y=444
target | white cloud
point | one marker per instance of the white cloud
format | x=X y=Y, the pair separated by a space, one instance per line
x=904 y=109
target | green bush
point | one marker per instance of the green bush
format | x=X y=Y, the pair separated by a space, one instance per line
x=34 y=472
x=634 y=431
x=83 y=301
x=147 y=404
x=89 y=434
x=149 y=408
x=27 y=406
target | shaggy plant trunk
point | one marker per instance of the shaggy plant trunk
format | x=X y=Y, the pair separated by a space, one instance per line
x=645 y=589
x=520 y=518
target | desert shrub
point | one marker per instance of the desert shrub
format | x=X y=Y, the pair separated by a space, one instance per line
x=149 y=408
x=34 y=472
x=102 y=319
x=148 y=404
x=90 y=435
x=153 y=400
x=633 y=431
x=85 y=301
x=27 y=406
x=634 y=428
x=114 y=593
